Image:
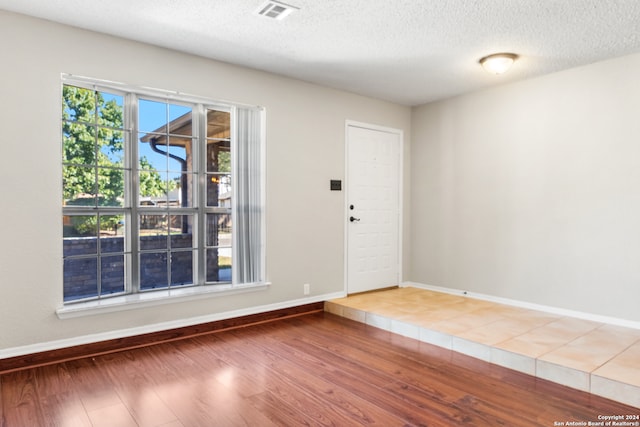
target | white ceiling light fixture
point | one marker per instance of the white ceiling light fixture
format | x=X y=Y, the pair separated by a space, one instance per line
x=498 y=63
x=275 y=10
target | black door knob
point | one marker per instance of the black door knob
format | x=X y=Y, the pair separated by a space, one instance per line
x=354 y=219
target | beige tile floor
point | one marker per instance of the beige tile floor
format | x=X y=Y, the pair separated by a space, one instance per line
x=598 y=358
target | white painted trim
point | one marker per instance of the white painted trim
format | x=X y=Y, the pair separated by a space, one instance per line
x=345 y=211
x=529 y=305
x=157 y=327
x=154 y=298
x=370 y=126
x=400 y=133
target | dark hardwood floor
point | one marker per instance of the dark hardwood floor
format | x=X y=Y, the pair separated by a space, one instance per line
x=311 y=370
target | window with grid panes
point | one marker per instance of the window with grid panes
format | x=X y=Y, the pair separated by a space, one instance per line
x=148 y=200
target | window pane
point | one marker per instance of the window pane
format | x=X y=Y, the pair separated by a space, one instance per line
x=80 y=234
x=181 y=121
x=111 y=187
x=79 y=246
x=153 y=270
x=181 y=188
x=111 y=145
x=218 y=124
x=218 y=156
x=152 y=116
x=110 y=110
x=219 y=229
x=157 y=189
x=154 y=232
x=78 y=143
x=80 y=278
x=219 y=190
x=79 y=185
x=78 y=104
x=218 y=265
x=181 y=235
x=152 y=150
x=181 y=268
x=180 y=154
x=112 y=274
x=112 y=233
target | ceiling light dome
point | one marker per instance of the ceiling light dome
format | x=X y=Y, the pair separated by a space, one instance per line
x=498 y=63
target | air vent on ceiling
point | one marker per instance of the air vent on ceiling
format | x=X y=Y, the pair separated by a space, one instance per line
x=275 y=10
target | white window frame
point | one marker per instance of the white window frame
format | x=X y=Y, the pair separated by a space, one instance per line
x=133 y=296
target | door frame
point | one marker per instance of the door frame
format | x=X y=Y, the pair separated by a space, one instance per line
x=345 y=214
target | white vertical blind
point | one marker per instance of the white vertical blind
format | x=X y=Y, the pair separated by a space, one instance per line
x=249 y=262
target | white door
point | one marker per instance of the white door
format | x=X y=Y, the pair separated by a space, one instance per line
x=373 y=207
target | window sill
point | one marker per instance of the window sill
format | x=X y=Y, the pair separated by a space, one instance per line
x=154 y=298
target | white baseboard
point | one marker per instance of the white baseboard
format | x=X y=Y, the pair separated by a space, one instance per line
x=528 y=305
x=157 y=327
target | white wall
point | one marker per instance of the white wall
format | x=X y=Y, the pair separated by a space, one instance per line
x=531 y=191
x=305 y=149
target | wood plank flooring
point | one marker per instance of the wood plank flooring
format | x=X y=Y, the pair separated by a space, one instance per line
x=312 y=370
x=126 y=343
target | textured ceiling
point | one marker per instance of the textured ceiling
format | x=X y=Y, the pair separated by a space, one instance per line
x=406 y=51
